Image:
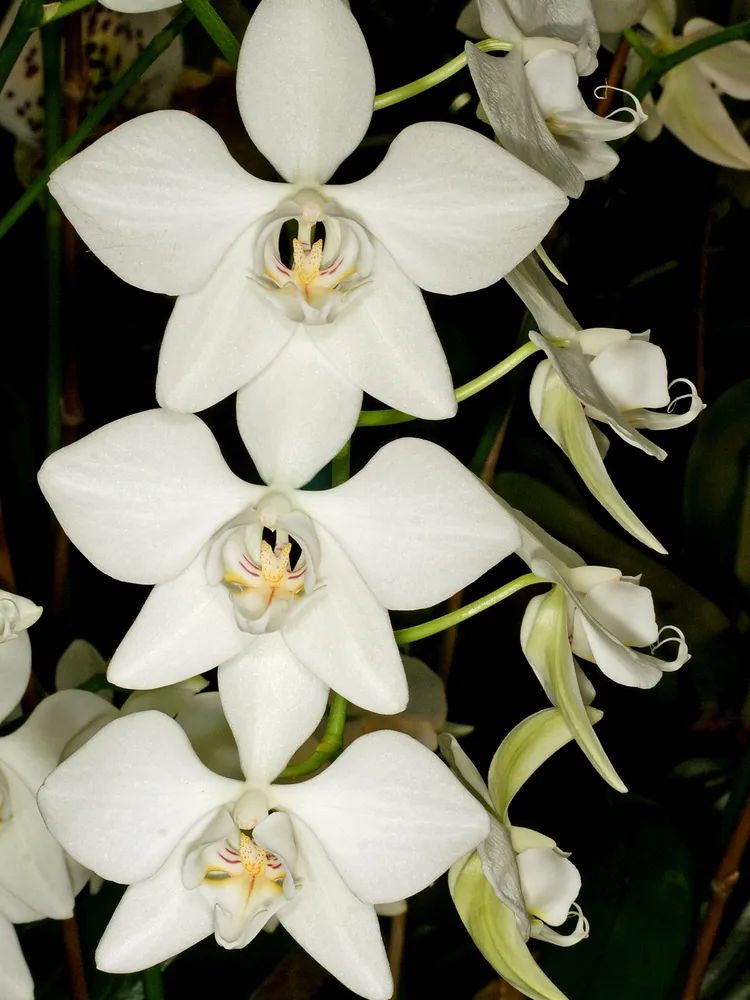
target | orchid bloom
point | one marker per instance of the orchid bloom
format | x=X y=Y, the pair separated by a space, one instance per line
x=517 y=884
x=281 y=580
x=115 y=40
x=592 y=613
x=608 y=376
x=536 y=26
x=538 y=113
x=690 y=105
x=310 y=286
x=17 y=614
x=206 y=854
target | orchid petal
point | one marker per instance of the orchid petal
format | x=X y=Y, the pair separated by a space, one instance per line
x=18 y=912
x=391 y=351
x=669 y=420
x=516 y=119
x=592 y=158
x=524 y=750
x=15 y=670
x=15 y=979
x=523 y=839
x=542 y=299
x=298 y=413
x=536 y=542
x=500 y=868
x=32 y=864
x=78 y=664
x=613 y=16
x=16 y=614
x=726 y=66
x=581 y=378
x=272 y=704
x=550 y=884
x=204 y=722
x=494 y=930
x=569 y=20
x=305 y=86
x=496 y=21
x=632 y=374
x=336 y=928
x=37 y=746
x=141 y=496
x=692 y=110
x=620 y=663
x=415 y=507
x=426 y=692
x=469 y=23
x=455 y=211
x=220 y=336
x=562 y=417
x=626 y=610
x=142 y=774
x=544 y=640
x=159 y=200
x=464 y=769
x=156 y=919
x=389 y=815
x=660 y=18
x=343 y=635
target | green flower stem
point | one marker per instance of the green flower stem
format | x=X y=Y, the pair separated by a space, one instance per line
x=217 y=29
x=153 y=983
x=638 y=45
x=329 y=747
x=53 y=136
x=373 y=418
x=341 y=465
x=152 y=51
x=648 y=81
x=437 y=76
x=57 y=11
x=417 y=632
x=27 y=18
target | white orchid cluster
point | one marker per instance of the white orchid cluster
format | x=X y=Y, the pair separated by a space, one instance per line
x=300 y=296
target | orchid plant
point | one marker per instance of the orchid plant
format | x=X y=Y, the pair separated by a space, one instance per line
x=300 y=785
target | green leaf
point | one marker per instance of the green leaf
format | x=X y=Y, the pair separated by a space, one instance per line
x=495 y=932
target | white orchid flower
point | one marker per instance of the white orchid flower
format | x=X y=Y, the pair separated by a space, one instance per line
x=592 y=613
x=604 y=375
x=17 y=614
x=303 y=291
x=537 y=26
x=690 y=104
x=538 y=113
x=33 y=869
x=206 y=854
x=114 y=41
x=279 y=580
x=517 y=884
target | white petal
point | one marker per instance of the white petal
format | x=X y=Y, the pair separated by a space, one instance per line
x=298 y=413
x=13 y=909
x=141 y=496
x=159 y=200
x=633 y=374
x=155 y=920
x=37 y=746
x=498 y=857
x=620 y=663
x=426 y=692
x=336 y=928
x=78 y=664
x=612 y=16
x=692 y=110
x=123 y=801
x=185 y=628
x=137 y=6
x=468 y=22
x=496 y=21
x=389 y=815
x=550 y=884
x=542 y=299
x=416 y=524
x=464 y=768
x=16 y=614
x=660 y=18
x=15 y=979
x=386 y=343
x=343 y=635
x=15 y=670
x=727 y=66
x=593 y=158
x=204 y=722
x=305 y=86
x=220 y=336
x=32 y=863
x=569 y=20
x=626 y=609
x=553 y=79
x=272 y=704
x=454 y=210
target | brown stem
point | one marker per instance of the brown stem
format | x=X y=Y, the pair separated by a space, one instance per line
x=726 y=877
x=74 y=956
x=614 y=77
x=396 y=939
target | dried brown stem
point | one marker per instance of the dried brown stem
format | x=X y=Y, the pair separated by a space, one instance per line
x=614 y=77
x=396 y=939
x=726 y=877
x=74 y=956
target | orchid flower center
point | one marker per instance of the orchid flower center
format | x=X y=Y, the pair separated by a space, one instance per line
x=310 y=259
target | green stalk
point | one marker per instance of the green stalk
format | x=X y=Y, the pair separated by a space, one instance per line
x=152 y=51
x=341 y=465
x=217 y=29
x=53 y=137
x=153 y=983
x=57 y=11
x=638 y=45
x=437 y=76
x=416 y=632
x=27 y=18
x=373 y=418
x=329 y=747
